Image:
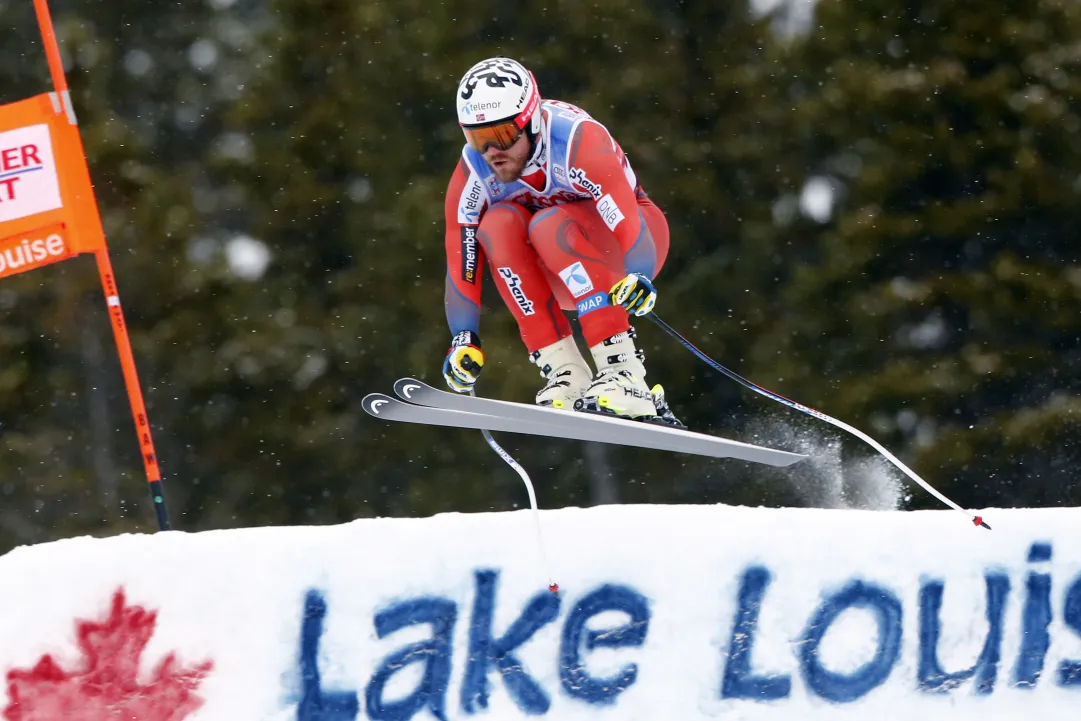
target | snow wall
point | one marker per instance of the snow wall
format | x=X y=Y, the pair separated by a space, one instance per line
x=665 y=613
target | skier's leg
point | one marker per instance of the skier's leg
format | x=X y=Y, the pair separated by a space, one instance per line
x=586 y=264
x=573 y=241
x=526 y=290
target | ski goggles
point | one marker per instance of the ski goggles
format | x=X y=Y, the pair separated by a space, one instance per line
x=499 y=135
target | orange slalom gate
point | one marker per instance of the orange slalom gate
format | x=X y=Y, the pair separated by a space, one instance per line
x=48 y=213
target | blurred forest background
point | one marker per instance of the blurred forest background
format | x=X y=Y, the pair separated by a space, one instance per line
x=874 y=210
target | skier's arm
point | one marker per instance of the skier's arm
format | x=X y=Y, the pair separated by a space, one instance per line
x=462 y=211
x=465 y=258
x=595 y=155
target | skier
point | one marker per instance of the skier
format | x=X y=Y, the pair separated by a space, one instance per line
x=547 y=196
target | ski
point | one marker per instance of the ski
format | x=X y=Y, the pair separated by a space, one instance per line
x=430 y=406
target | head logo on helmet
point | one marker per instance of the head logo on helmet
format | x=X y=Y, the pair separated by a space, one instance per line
x=498 y=90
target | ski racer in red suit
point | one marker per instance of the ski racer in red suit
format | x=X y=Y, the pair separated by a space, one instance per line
x=546 y=195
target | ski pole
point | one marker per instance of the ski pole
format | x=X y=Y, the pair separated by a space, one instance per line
x=976 y=520
x=552 y=585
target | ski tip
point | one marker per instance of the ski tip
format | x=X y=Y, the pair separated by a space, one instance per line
x=978 y=521
x=373 y=403
x=405 y=387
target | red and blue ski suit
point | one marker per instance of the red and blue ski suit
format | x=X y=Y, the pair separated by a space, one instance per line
x=555 y=240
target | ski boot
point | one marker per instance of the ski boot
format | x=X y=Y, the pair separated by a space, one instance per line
x=566 y=371
x=619 y=387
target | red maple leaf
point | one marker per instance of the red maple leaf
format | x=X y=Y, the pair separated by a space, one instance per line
x=107 y=689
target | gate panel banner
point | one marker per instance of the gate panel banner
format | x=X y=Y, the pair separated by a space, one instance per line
x=47 y=206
